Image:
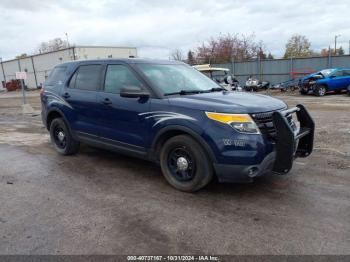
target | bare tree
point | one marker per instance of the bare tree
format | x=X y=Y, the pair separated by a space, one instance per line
x=227 y=47
x=177 y=54
x=52 y=45
x=21 y=56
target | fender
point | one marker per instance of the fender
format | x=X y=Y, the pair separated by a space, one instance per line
x=187 y=130
x=57 y=110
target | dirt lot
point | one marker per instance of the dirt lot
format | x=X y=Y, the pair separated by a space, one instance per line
x=99 y=202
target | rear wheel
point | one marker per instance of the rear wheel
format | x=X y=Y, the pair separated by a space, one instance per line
x=62 y=139
x=184 y=163
x=320 y=90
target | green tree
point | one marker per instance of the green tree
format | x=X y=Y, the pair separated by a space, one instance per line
x=270 y=56
x=190 y=58
x=298 y=46
x=340 y=51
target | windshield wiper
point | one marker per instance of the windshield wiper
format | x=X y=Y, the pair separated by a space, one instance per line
x=185 y=92
x=216 y=89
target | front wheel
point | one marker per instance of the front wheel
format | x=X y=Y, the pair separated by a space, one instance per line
x=62 y=139
x=320 y=90
x=185 y=164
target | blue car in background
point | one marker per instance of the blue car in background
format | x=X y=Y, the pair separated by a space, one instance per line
x=327 y=80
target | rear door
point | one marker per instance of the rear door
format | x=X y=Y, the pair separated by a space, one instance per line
x=338 y=80
x=120 y=122
x=346 y=74
x=81 y=96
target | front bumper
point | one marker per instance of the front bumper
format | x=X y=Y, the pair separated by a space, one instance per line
x=289 y=143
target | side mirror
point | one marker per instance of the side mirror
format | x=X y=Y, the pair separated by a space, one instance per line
x=133 y=92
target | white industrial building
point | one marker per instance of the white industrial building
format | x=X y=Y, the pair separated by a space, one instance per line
x=39 y=66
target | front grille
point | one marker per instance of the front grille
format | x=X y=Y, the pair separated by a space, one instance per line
x=265 y=123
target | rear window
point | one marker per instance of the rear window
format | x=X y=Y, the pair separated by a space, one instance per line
x=87 y=77
x=57 y=76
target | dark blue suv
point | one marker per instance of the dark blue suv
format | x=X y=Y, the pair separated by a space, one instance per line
x=170 y=113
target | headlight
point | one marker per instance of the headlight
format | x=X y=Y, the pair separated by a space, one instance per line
x=242 y=123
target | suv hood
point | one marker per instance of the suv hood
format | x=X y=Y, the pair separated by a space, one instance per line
x=229 y=102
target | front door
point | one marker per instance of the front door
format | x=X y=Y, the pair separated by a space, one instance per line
x=120 y=122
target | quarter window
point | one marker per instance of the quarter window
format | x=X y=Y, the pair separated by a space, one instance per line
x=87 y=78
x=56 y=76
x=118 y=77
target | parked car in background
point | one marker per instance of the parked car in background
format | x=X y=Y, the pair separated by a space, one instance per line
x=220 y=75
x=170 y=113
x=327 y=80
x=254 y=84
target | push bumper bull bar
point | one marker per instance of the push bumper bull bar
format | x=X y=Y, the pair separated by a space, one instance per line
x=292 y=143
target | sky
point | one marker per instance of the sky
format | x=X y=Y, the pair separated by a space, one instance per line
x=156 y=27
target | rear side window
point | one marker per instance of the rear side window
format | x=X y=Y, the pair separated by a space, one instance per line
x=57 y=76
x=87 y=77
x=338 y=73
x=118 y=77
x=346 y=72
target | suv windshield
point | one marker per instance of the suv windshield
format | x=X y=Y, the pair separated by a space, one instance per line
x=172 y=79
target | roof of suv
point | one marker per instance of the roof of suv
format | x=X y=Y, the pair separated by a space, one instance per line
x=125 y=60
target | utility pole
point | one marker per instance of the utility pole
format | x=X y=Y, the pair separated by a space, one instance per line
x=335 y=44
x=24 y=99
x=34 y=71
x=67 y=39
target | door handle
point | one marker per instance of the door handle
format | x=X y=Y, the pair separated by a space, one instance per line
x=66 y=95
x=106 y=101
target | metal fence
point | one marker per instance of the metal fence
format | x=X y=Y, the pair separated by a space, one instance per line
x=280 y=70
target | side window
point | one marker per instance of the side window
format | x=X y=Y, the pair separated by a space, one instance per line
x=87 y=77
x=346 y=72
x=338 y=73
x=118 y=77
x=57 y=76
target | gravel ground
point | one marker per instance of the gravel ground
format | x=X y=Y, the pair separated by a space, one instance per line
x=98 y=202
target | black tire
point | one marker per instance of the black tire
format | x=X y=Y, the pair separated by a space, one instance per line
x=62 y=139
x=320 y=90
x=199 y=171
